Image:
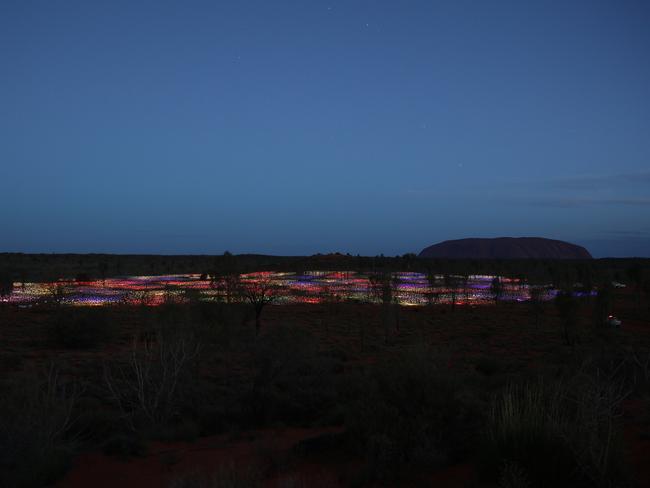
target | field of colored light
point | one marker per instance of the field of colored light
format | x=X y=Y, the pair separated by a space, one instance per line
x=308 y=287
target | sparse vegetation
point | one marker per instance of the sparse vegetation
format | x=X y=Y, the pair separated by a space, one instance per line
x=6 y=284
x=258 y=294
x=567 y=306
x=36 y=417
x=558 y=434
x=410 y=413
x=493 y=392
x=149 y=389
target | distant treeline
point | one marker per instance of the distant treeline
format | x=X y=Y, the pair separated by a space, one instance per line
x=21 y=267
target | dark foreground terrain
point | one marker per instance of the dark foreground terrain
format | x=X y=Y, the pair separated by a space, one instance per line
x=338 y=394
x=196 y=393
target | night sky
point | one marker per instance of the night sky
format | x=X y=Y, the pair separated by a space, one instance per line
x=300 y=127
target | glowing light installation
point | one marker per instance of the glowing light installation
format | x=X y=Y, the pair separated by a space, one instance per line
x=309 y=287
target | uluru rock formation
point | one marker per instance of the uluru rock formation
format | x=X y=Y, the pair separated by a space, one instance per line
x=505 y=248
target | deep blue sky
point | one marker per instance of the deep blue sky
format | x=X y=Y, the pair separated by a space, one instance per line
x=295 y=127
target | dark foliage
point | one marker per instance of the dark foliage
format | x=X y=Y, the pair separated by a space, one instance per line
x=409 y=414
x=36 y=414
x=79 y=328
x=563 y=433
x=6 y=284
x=293 y=381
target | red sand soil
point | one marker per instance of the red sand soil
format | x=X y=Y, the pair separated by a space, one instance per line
x=637 y=438
x=257 y=449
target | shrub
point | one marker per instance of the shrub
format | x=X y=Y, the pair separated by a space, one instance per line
x=411 y=413
x=293 y=380
x=77 y=328
x=35 y=418
x=525 y=427
x=567 y=306
x=152 y=387
x=560 y=434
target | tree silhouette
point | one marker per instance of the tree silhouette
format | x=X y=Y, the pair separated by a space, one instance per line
x=496 y=288
x=567 y=306
x=381 y=288
x=6 y=284
x=603 y=305
x=635 y=274
x=432 y=293
x=537 y=303
x=227 y=284
x=258 y=290
x=451 y=283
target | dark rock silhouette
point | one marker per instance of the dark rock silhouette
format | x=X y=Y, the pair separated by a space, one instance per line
x=506 y=248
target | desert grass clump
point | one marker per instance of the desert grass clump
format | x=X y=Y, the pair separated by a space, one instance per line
x=6 y=284
x=36 y=416
x=563 y=433
x=525 y=429
x=594 y=432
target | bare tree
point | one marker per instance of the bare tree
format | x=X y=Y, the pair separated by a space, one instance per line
x=464 y=282
x=380 y=287
x=258 y=290
x=230 y=285
x=395 y=302
x=596 y=397
x=603 y=305
x=496 y=288
x=57 y=292
x=148 y=387
x=537 y=303
x=451 y=283
x=6 y=284
x=635 y=274
x=331 y=300
x=227 y=283
x=567 y=306
x=641 y=359
x=432 y=294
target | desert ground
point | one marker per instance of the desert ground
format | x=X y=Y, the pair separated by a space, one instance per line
x=338 y=393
